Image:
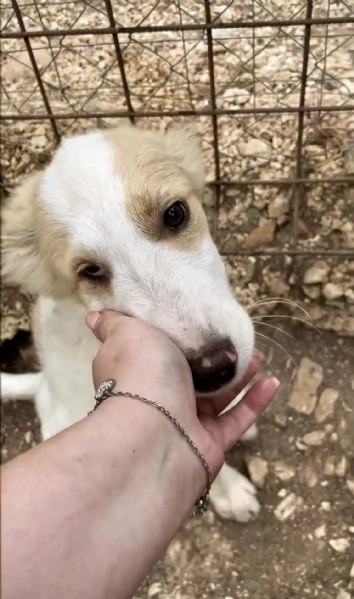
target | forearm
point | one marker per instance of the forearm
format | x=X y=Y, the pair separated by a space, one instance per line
x=89 y=512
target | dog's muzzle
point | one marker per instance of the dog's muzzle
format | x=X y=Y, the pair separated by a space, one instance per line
x=213 y=366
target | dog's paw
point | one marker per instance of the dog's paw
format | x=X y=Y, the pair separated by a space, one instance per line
x=250 y=434
x=233 y=496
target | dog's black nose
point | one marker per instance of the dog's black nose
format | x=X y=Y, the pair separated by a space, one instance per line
x=213 y=365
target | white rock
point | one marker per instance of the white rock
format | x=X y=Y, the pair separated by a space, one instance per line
x=278 y=207
x=238 y=95
x=349 y=295
x=351 y=573
x=38 y=142
x=320 y=532
x=326 y=403
x=255 y=148
x=350 y=485
x=288 y=506
x=314 y=438
x=341 y=467
x=339 y=545
x=331 y=291
x=283 y=471
x=303 y=395
x=342 y=594
x=317 y=273
x=258 y=470
x=312 y=291
x=154 y=590
x=326 y=506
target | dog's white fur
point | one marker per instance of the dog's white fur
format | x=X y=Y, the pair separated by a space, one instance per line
x=85 y=198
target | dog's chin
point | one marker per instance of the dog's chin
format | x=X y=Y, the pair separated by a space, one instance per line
x=215 y=394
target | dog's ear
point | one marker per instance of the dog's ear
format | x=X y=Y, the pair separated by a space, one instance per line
x=24 y=262
x=185 y=146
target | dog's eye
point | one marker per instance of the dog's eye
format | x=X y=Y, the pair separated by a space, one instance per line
x=176 y=215
x=92 y=272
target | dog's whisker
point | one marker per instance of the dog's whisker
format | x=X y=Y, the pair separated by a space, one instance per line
x=279 y=300
x=289 y=317
x=278 y=345
x=272 y=326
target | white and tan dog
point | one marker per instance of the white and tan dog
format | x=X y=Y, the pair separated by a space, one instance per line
x=116 y=221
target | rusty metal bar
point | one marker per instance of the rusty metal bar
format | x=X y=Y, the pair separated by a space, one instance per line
x=293 y=181
x=299 y=190
x=176 y=27
x=120 y=60
x=36 y=71
x=213 y=101
x=345 y=180
x=176 y=113
x=345 y=253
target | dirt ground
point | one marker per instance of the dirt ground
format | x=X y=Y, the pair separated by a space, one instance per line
x=302 y=543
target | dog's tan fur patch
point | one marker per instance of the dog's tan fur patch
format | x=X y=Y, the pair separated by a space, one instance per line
x=157 y=170
x=34 y=245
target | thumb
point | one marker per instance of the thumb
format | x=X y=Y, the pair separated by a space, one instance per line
x=103 y=324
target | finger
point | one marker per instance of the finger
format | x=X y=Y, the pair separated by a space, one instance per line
x=212 y=406
x=237 y=420
x=103 y=324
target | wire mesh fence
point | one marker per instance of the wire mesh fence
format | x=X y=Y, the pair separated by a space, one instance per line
x=269 y=85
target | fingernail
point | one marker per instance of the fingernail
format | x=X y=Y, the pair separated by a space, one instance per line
x=92 y=319
x=275 y=381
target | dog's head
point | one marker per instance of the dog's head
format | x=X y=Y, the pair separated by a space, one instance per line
x=116 y=220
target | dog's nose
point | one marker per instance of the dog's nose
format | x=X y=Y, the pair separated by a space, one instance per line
x=213 y=365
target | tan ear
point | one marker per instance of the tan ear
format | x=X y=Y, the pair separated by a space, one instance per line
x=25 y=258
x=185 y=145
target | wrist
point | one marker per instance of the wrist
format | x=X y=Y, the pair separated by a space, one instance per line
x=173 y=474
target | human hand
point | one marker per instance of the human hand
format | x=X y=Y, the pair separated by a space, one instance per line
x=143 y=360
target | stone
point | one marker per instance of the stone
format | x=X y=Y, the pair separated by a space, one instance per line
x=262 y=235
x=350 y=485
x=342 y=594
x=317 y=273
x=154 y=590
x=349 y=296
x=276 y=285
x=320 y=532
x=278 y=208
x=283 y=471
x=351 y=573
x=329 y=466
x=341 y=467
x=312 y=291
x=314 y=438
x=326 y=404
x=288 y=507
x=303 y=396
x=331 y=291
x=258 y=470
x=28 y=437
x=38 y=142
x=339 y=545
x=308 y=474
x=255 y=148
x=326 y=506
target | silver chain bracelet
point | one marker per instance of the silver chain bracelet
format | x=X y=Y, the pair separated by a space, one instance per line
x=105 y=390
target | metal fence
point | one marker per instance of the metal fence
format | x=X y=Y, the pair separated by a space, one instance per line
x=269 y=85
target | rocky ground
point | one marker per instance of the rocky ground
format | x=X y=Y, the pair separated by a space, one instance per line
x=302 y=544
x=303 y=462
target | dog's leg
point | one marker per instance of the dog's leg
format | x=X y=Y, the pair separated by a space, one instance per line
x=19 y=386
x=233 y=496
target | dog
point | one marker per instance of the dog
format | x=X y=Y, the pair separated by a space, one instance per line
x=116 y=221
